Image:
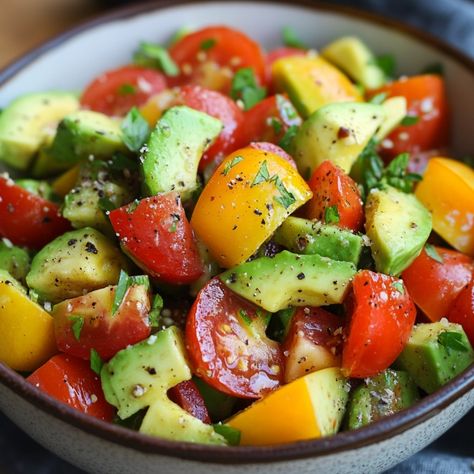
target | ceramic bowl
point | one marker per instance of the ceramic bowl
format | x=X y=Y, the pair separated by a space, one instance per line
x=69 y=62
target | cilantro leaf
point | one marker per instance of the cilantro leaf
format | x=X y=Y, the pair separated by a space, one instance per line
x=453 y=340
x=77 y=325
x=409 y=120
x=155 y=313
x=276 y=125
x=290 y=38
x=120 y=291
x=262 y=175
x=286 y=198
x=288 y=138
x=208 y=44
x=156 y=57
x=96 y=361
x=135 y=130
x=433 y=253
x=230 y=164
x=232 y=435
x=331 y=215
x=105 y=204
x=245 y=88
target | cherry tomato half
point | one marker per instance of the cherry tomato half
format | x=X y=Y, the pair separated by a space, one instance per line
x=116 y=92
x=189 y=398
x=462 y=311
x=228 y=348
x=382 y=316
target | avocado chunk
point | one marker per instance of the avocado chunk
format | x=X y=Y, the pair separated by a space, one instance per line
x=311 y=82
x=379 y=396
x=308 y=237
x=336 y=132
x=288 y=279
x=395 y=111
x=8 y=279
x=354 y=57
x=398 y=226
x=27 y=123
x=97 y=190
x=175 y=147
x=86 y=133
x=140 y=376
x=14 y=260
x=75 y=263
x=45 y=164
x=435 y=354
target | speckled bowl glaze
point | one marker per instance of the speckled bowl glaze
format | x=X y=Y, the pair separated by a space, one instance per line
x=69 y=62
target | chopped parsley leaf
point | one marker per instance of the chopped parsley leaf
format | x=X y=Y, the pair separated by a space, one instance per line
x=262 y=175
x=331 y=215
x=230 y=164
x=433 y=253
x=157 y=57
x=124 y=283
x=290 y=38
x=409 y=120
x=105 y=204
x=155 y=313
x=77 y=325
x=276 y=125
x=245 y=88
x=232 y=435
x=245 y=317
x=288 y=138
x=135 y=130
x=127 y=89
x=96 y=361
x=286 y=198
x=208 y=44
x=453 y=340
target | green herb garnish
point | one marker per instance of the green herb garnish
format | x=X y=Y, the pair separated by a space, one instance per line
x=395 y=174
x=230 y=164
x=245 y=317
x=331 y=215
x=453 y=340
x=174 y=224
x=208 y=44
x=127 y=89
x=232 y=435
x=105 y=204
x=409 y=120
x=77 y=325
x=276 y=125
x=287 y=140
x=433 y=253
x=155 y=313
x=290 y=38
x=156 y=57
x=287 y=110
x=286 y=199
x=245 y=88
x=120 y=291
x=398 y=285
x=262 y=175
x=132 y=206
x=387 y=63
x=96 y=361
x=135 y=130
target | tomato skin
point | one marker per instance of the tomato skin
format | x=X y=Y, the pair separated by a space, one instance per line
x=258 y=120
x=332 y=187
x=72 y=382
x=462 y=311
x=275 y=149
x=188 y=397
x=381 y=320
x=157 y=235
x=231 y=51
x=103 y=331
x=229 y=354
x=435 y=286
x=426 y=98
x=104 y=94
x=221 y=107
x=27 y=219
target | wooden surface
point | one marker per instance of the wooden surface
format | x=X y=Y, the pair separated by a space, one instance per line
x=26 y=23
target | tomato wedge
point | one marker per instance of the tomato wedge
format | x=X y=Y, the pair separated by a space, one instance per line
x=434 y=285
x=332 y=187
x=427 y=101
x=382 y=316
x=188 y=397
x=156 y=234
x=115 y=92
x=462 y=311
x=228 y=348
x=87 y=322
x=210 y=56
x=28 y=219
x=72 y=382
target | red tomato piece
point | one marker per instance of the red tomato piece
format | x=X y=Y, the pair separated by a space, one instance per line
x=332 y=187
x=382 y=316
x=272 y=148
x=223 y=108
x=313 y=342
x=27 y=219
x=72 y=382
x=210 y=56
x=227 y=345
x=426 y=99
x=188 y=397
x=462 y=311
x=157 y=235
x=434 y=286
x=116 y=92
x=279 y=53
x=269 y=120
x=101 y=330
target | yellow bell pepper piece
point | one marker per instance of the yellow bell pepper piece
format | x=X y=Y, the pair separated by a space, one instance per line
x=311 y=82
x=154 y=107
x=26 y=330
x=64 y=183
x=447 y=190
x=310 y=407
x=249 y=195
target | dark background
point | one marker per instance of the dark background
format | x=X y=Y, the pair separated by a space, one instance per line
x=453 y=21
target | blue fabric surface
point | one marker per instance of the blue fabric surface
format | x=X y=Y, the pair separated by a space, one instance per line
x=453 y=20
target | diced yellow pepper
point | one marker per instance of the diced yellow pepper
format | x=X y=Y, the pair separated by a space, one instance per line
x=64 y=183
x=154 y=107
x=311 y=82
x=310 y=407
x=26 y=330
x=447 y=190
x=249 y=195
